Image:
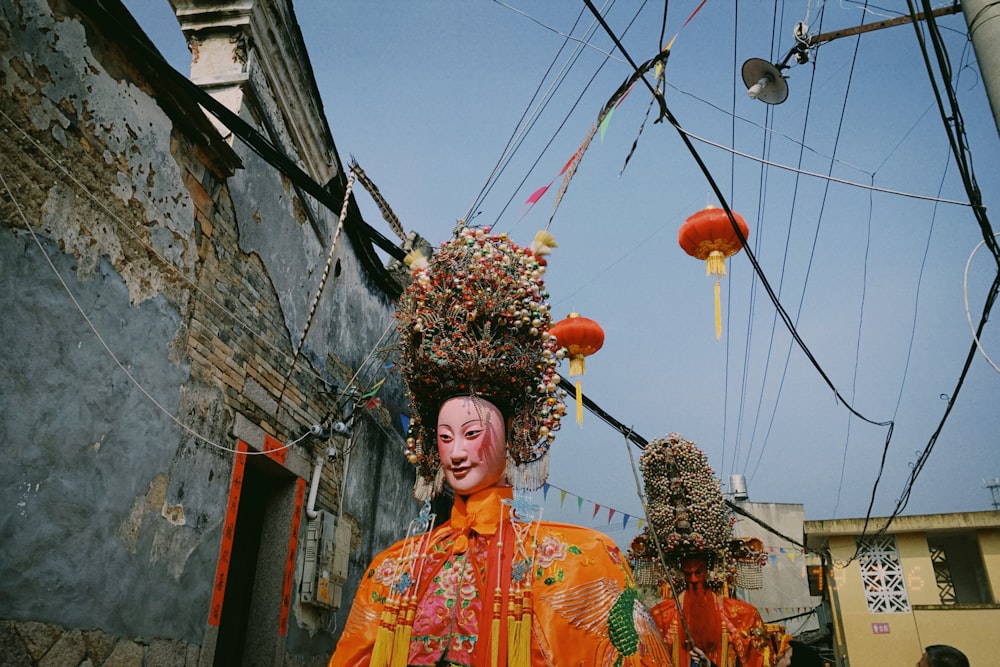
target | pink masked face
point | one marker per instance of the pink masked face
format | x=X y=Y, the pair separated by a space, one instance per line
x=472 y=444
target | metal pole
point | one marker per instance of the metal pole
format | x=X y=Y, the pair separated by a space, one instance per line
x=983 y=19
x=868 y=27
x=824 y=37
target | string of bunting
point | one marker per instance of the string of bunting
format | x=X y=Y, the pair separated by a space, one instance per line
x=580 y=500
x=791 y=552
x=657 y=62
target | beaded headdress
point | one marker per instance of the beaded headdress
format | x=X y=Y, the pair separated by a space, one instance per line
x=475 y=321
x=687 y=513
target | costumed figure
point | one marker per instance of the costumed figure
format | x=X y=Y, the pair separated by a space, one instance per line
x=689 y=532
x=494 y=585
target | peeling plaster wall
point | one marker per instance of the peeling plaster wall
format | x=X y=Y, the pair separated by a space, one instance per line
x=93 y=528
x=94 y=470
x=115 y=478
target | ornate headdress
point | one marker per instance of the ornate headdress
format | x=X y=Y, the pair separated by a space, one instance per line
x=475 y=321
x=686 y=511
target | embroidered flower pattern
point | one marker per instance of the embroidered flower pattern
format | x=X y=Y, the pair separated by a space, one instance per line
x=550 y=550
x=454 y=584
x=384 y=573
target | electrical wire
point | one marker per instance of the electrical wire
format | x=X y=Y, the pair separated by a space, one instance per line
x=520 y=130
x=968 y=314
x=952 y=120
x=825 y=177
x=955 y=130
x=767 y=142
x=864 y=283
x=786 y=319
x=590 y=31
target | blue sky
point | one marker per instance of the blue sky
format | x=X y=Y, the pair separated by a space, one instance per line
x=426 y=96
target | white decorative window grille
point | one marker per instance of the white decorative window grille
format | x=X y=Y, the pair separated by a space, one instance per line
x=882 y=577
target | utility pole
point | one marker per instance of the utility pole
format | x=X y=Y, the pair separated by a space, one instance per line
x=983 y=19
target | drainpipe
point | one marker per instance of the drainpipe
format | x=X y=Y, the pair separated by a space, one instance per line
x=340 y=428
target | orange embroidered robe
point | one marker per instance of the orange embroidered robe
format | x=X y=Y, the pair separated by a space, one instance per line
x=745 y=643
x=484 y=592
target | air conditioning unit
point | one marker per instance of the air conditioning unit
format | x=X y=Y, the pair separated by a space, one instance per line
x=324 y=567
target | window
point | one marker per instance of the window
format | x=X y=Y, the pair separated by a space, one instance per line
x=942 y=575
x=882 y=576
x=958 y=569
x=814 y=574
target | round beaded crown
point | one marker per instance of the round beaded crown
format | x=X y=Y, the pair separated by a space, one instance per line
x=475 y=321
x=685 y=503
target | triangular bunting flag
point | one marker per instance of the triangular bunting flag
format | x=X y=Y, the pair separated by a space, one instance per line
x=375 y=387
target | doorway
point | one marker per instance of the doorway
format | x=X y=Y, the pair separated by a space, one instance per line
x=251 y=616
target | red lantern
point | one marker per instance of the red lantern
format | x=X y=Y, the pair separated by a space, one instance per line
x=581 y=337
x=709 y=235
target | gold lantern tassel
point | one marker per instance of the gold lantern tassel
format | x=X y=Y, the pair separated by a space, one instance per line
x=718 y=312
x=577 y=367
x=715 y=265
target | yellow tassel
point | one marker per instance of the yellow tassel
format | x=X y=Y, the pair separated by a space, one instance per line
x=718 y=312
x=495 y=631
x=513 y=632
x=579 y=404
x=543 y=243
x=725 y=645
x=415 y=259
x=401 y=635
x=715 y=264
x=677 y=648
x=523 y=657
x=384 y=637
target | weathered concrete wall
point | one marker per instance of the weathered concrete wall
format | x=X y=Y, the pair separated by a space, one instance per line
x=96 y=526
x=784 y=589
x=198 y=276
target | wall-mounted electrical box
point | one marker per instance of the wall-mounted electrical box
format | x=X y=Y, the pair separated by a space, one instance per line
x=324 y=567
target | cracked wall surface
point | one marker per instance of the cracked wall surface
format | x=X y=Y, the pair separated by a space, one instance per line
x=153 y=288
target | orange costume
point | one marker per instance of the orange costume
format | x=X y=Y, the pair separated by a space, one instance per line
x=482 y=590
x=493 y=586
x=729 y=631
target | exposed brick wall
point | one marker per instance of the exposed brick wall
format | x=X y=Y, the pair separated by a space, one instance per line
x=141 y=215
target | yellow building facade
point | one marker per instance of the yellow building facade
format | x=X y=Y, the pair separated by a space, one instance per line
x=928 y=579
